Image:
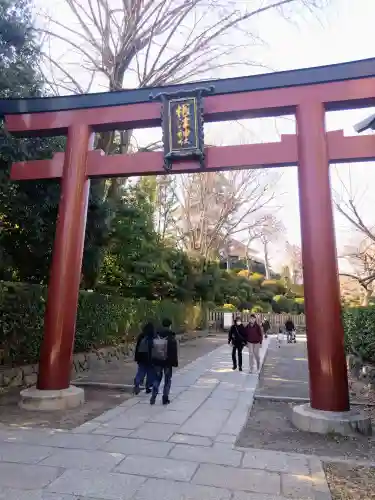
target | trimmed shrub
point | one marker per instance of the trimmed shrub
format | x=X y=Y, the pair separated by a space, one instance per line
x=359 y=327
x=274 y=286
x=102 y=320
x=226 y=308
x=281 y=304
x=299 y=305
x=261 y=307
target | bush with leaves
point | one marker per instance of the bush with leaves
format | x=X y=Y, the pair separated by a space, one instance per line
x=281 y=304
x=102 y=320
x=299 y=305
x=359 y=327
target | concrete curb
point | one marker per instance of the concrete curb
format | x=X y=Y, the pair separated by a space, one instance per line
x=103 y=385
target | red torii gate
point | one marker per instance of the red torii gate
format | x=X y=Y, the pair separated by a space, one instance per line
x=307 y=93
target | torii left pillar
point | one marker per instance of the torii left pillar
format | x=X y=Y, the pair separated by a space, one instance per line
x=53 y=390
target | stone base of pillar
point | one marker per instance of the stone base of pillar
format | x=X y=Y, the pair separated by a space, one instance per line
x=36 y=400
x=346 y=423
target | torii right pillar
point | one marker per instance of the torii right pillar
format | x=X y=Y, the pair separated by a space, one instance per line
x=325 y=334
x=327 y=362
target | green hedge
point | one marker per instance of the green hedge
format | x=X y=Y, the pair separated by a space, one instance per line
x=101 y=320
x=359 y=326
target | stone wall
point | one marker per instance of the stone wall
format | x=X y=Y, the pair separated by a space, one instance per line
x=360 y=370
x=26 y=376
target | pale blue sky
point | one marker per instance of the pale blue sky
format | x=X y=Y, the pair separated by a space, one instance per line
x=342 y=32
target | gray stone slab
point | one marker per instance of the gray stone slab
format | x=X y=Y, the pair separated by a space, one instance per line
x=111 y=414
x=106 y=486
x=59 y=496
x=83 y=459
x=276 y=461
x=146 y=447
x=129 y=403
x=127 y=421
x=86 y=428
x=23 y=453
x=221 y=394
x=205 y=423
x=30 y=436
x=15 y=494
x=156 y=432
x=171 y=417
x=194 y=396
x=218 y=404
x=234 y=424
x=193 y=440
x=241 y=495
x=211 y=455
x=225 y=438
x=255 y=481
x=297 y=486
x=318 y=477
x=107 y=430
x=77 y=441
x=187 y=406
x=28 y=477
x=159 y=489
x=161 y=468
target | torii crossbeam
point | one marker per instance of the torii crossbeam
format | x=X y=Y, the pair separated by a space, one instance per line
x=306 y=93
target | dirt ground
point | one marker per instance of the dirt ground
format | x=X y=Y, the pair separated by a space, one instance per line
x=350 y=483
x=285 y=374
x=97 y=400
x=269 y=427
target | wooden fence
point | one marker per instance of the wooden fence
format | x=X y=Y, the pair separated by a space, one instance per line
x=215 y=319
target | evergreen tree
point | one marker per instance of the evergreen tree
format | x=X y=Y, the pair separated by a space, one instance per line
x=28 y=210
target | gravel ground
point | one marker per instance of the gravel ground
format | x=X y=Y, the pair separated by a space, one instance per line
x=269 y=427
x=350 y=483
x=97 y=401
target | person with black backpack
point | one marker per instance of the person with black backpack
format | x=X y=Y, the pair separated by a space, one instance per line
x=164 y=357
x=142 y=357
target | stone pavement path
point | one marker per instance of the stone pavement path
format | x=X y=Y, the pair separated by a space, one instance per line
x=122 y=372
x=141 y=452
x=285 y=372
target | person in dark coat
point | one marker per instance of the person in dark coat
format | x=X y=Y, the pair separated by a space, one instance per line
x=237 y=339
x=290 y=328
x=164 y=358
x=266 y=327
x=142 y=357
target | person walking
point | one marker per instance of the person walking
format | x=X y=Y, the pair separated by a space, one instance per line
x=266 y=327
x=164 y=357
x=254 y=339
x=290 y=329
x=142 y=357
x=237 y=339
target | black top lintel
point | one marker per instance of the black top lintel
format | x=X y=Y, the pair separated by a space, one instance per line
x=292 y=78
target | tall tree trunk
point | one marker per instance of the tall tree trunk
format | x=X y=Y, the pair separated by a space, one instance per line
x=266 y=260
x=366 y=297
